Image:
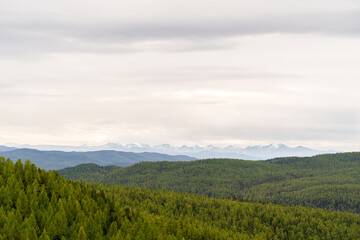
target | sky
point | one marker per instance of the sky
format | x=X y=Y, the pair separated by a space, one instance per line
x=220 y=72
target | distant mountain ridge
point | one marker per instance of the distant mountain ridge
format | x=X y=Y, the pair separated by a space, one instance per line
x=5 y=148
x=210 y=151
x=59 y=159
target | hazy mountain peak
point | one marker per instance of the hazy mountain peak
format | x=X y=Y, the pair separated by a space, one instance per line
x=210 y=151
x=276 y=146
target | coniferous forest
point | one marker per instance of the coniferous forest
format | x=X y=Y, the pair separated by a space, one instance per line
x=39 y=204
x=329 y=181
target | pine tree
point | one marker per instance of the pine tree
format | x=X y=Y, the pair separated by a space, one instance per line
x=44 y=236
x=113 y=229
x=81 y=234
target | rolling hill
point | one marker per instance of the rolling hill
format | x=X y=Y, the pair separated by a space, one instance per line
x=330 y=181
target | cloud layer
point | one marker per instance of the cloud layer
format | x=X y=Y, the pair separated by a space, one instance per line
x=204 y=72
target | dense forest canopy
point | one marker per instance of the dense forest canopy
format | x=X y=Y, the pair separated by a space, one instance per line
x=330 y=181
x=39 y=204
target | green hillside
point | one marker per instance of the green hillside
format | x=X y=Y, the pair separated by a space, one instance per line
x=330 y=181
x=35 y=204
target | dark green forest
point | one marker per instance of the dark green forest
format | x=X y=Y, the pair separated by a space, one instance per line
x=39 y=204
x=329 y=181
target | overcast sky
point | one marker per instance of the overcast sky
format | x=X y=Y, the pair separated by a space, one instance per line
x=221 y=72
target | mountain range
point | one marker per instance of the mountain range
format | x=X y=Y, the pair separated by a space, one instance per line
x=199 y=152
x=59 y=159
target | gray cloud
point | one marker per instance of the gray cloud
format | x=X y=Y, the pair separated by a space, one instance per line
x=185 y=72
x=45 y=33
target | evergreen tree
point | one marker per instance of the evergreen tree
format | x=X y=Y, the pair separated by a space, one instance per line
x=81 y=234
x=44 y=236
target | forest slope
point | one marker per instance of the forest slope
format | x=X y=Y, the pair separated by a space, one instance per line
x=330 y=181
x=35 y=204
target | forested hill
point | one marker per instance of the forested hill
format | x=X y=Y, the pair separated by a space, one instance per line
x=35 y=204
x=330 y=181
x=58 y=159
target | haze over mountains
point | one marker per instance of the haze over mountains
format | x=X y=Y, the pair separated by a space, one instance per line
x=5 y=148
x=210 y=151
x=59 y=159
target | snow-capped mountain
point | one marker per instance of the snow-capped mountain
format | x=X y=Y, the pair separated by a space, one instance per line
x=200 y=152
